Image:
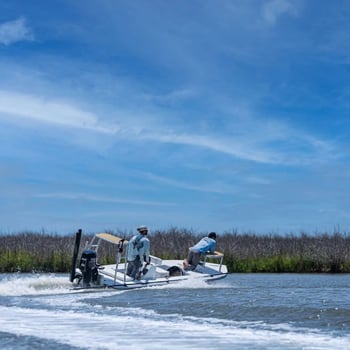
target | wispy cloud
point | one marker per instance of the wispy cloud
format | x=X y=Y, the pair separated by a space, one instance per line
x=96 y=198
x=173 y=96
x=274 y=9
x=259 y=180
x=204 y=187
x=270 y=144
x=174 y=102
x=224 y=144
x=48 y=111
x=15 y=31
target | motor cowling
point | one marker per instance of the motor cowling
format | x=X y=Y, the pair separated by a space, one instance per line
x=88 y=267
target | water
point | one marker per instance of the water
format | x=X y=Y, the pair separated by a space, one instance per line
x=243 y=311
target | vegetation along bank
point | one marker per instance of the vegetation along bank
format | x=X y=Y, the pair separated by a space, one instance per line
x=246 y=252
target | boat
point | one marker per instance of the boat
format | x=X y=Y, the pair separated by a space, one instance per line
x=88 y=273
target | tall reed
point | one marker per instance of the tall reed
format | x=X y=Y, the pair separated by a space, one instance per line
x=247 y=252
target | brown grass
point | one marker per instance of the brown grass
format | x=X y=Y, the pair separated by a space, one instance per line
x=247 y=252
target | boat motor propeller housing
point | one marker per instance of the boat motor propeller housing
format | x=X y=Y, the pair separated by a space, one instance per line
x=88 y=267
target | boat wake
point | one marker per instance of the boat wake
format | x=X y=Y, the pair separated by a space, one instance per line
x=105 y=330
x=40 y=284
x=44 y=309
x=33 y=284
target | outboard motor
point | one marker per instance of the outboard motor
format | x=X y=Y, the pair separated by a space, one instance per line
x=88 y=267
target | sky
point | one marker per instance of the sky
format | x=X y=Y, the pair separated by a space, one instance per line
x=226 y=116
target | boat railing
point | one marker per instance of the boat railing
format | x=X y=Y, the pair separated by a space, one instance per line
x=121 y=257
x=216 y=256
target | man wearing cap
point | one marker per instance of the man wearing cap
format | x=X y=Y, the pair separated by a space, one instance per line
x=205 y=246
x=138 y=251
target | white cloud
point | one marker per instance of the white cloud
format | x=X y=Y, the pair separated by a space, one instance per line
x=237 y=148
x=273 y=9
x=268 y=142
x=14 y=31
x=58 y=113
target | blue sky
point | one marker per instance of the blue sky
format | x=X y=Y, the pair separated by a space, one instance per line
x=205 y=115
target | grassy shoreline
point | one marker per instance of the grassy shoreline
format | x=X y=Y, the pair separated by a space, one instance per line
x=302 y=253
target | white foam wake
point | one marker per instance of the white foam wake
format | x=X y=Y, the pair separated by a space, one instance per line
x=130 y=330
x=32 y=284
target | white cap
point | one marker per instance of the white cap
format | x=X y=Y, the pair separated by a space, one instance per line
x=142 y=228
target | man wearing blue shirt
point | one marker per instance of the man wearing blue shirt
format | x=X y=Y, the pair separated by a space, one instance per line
x=205 y=246
x=138 y=251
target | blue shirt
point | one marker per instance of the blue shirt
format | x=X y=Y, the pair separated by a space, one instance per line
x=204 y=245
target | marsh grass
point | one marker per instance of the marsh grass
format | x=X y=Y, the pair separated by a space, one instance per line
x=248 y=252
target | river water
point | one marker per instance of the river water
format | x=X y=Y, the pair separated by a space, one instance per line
x=242 y=311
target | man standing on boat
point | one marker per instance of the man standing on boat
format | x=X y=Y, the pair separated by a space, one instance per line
x=205 y=246
x=138 y=251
